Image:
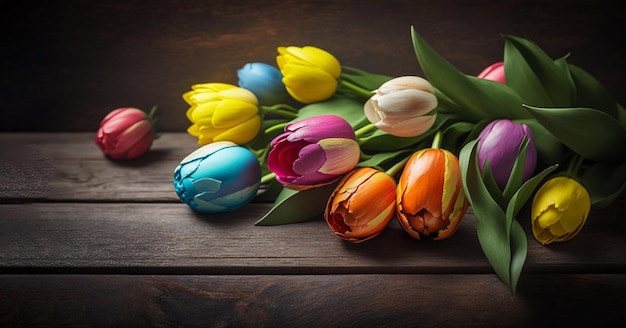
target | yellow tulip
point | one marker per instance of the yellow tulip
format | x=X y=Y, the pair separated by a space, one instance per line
x=430 y=197
x=559 y=210
x=310 y=74
x=222 y=112
x=361 y=205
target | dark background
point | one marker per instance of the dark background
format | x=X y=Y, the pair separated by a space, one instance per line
x=65 y=64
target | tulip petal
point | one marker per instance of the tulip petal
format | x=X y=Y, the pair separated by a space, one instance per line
x=134 y=136
x=310 y=160
x=341 y=155
x=242 y=133
x=231 y=112
x=408 y=102
x=202 y=113
x=121 y=120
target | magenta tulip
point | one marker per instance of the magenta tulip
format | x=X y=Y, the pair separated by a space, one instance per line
x=314 y=151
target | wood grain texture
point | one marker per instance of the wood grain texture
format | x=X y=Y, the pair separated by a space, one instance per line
x=309 y=301
x=170 y=238
x=67 y=63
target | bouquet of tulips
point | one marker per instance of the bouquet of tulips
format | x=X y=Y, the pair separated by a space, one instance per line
x=320 y=138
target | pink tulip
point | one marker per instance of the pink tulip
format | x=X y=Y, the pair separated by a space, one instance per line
x=125 y=133
x=494 y=72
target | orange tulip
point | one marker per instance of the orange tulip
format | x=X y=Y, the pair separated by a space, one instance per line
x=361 y=205
x=430 y=197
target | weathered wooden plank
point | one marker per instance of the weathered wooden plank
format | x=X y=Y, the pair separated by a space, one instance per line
x=309 y=300
x=70 y=166
x=170 y=238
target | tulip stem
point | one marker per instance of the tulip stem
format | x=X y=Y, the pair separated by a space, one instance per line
x=392 y=171
x=574 y=165
x=359 y=90
x=268 y=178
x=436 y=140
x=278 y=126
x=364 y=130
x=280 y=111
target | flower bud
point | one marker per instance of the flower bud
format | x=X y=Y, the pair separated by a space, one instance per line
x=361 y=205
x=309 y=73
x=499 y=143
x=403 y=106
x=265 y=81
x=494 y=72
x=559 y=210
x=430 y=198
x=314 y=151
x=222 y=112
x=218 y=177
x=125 y=133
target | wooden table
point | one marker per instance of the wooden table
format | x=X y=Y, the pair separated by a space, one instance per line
x=86 y=241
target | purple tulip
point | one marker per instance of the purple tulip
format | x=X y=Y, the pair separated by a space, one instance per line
x=314 y=151
x=499 y=143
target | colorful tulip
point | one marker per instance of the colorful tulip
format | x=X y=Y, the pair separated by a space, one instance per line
x=222 y=112
x=430 y=198
x=403 y=106
x=218 y=177
x=309 y=73
x=499 y=143
x=314 y=151
x=265 y=81
x=494 y=72
x=559 y=210
x=126 y=133
x=361 y=205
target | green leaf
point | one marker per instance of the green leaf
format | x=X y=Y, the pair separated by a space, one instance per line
x=535 y=76
x=364 y=79
x=379 y=158
x=491 y=221
x=479 y=98
x=456 y=135
x=382 y=141
x=549 y=149
x=519 y=199
x=605 y=182
x=590 y=133
x=293 y=206
x=590 y=93
x=348 y=108
x=516 y=177
x=519 y=251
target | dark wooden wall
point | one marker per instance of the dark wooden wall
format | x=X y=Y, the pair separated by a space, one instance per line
x=65 y=64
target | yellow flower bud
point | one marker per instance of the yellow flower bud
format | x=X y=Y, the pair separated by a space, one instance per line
x=222 y=112
x=559 y=210
x=310 y=74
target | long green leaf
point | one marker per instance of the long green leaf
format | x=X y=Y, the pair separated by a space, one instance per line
x=549 y=149
x=491 y=229
x=535 y=76
x=590 y=93
x=589 y=132
x=605 y=182
x=296 y=206
x=349 y=109
x=519 y=251
x=479 y=98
